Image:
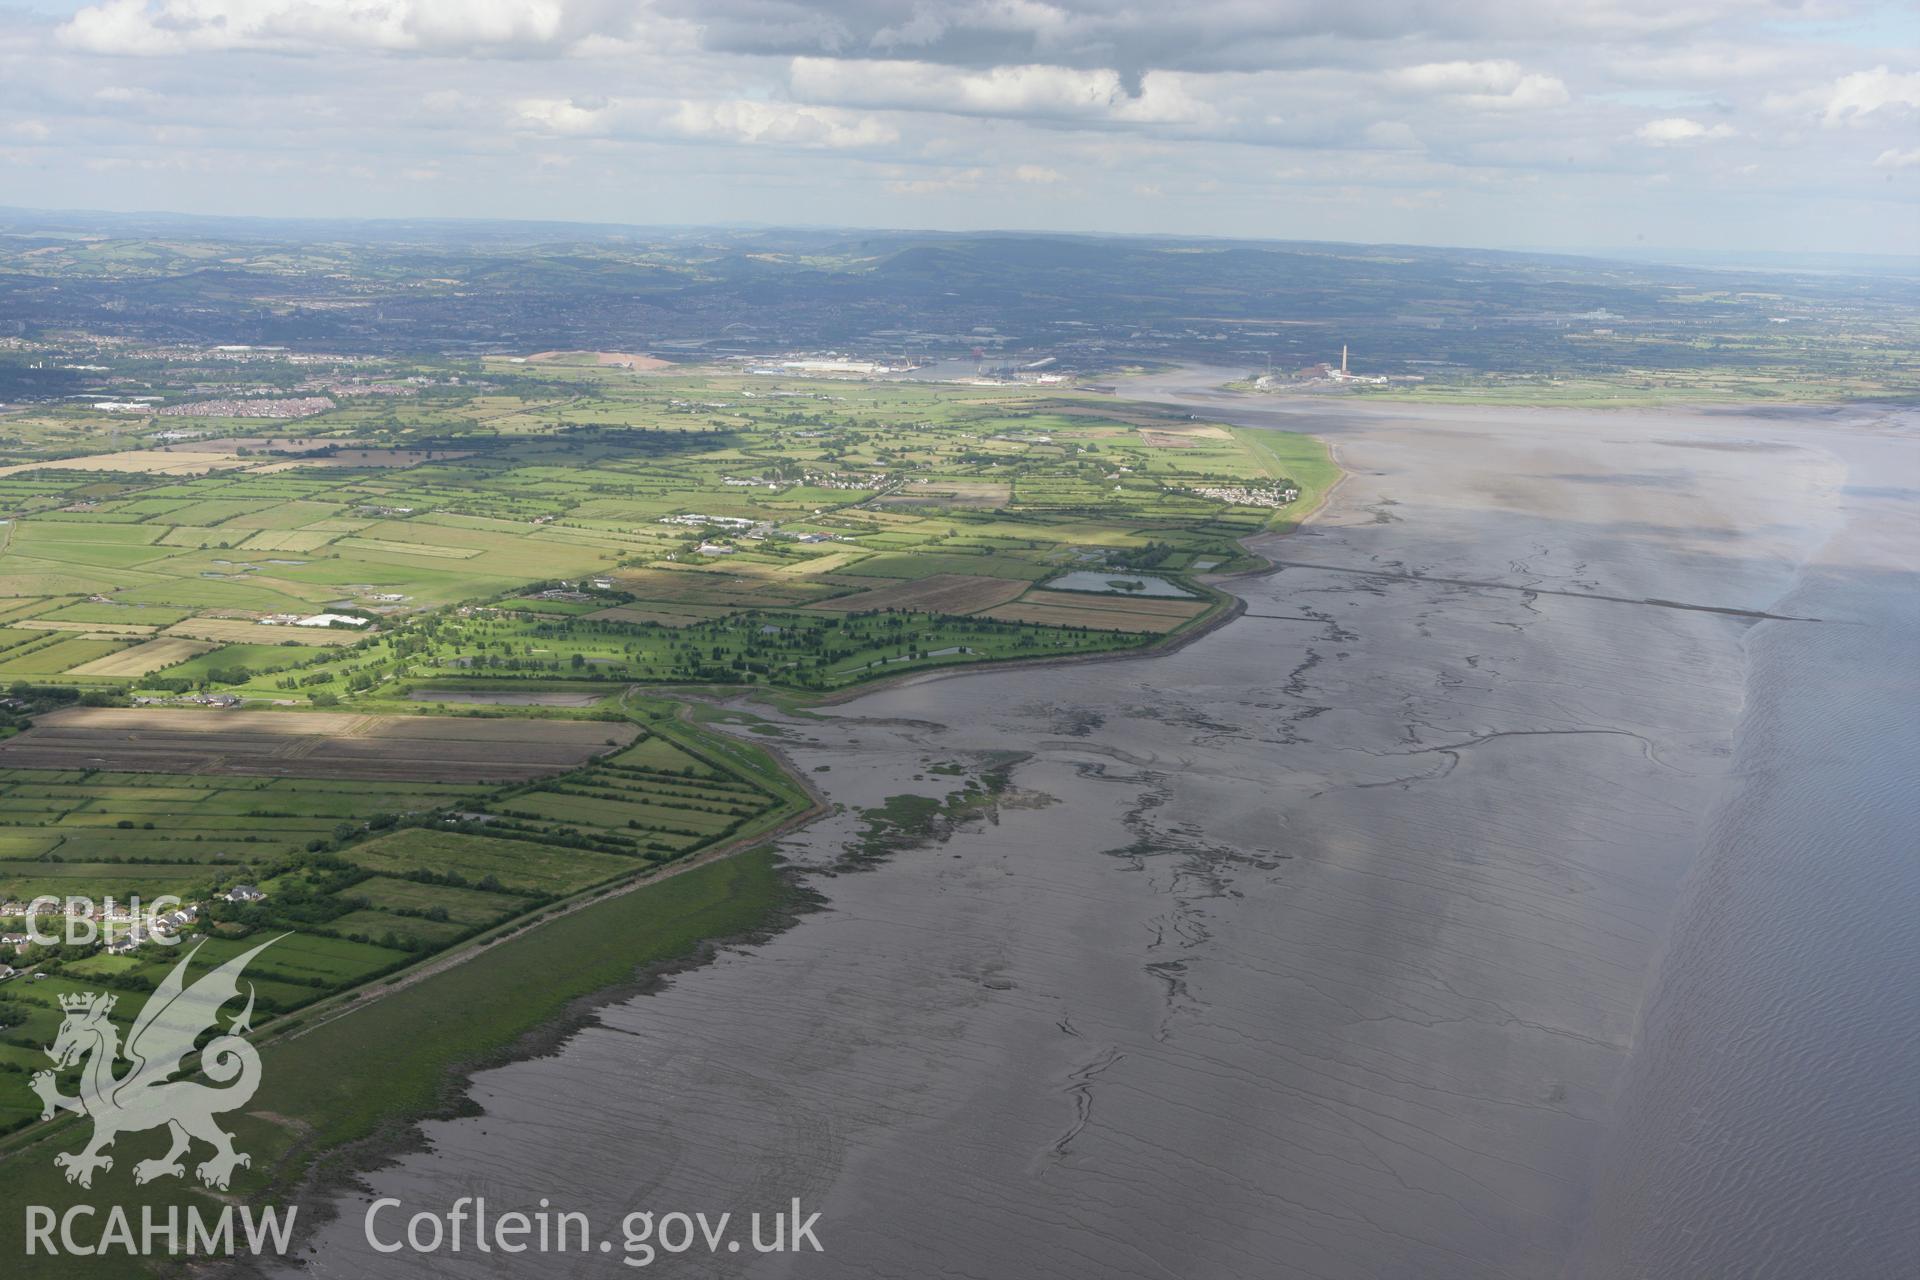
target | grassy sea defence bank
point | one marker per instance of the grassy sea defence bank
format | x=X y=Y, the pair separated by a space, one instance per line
x=336 y=1094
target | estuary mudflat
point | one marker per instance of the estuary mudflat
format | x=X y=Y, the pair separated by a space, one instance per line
x=1454 y=912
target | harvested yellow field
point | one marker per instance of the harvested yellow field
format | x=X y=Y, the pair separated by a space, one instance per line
x=236 y=631
x=941 y=593
x=156 y=462
x=91 y=628
x=1153 y=605
x=1194 y=431
x=144 y=659
x=823 y=564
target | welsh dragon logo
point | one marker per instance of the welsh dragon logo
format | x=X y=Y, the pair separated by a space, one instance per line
x=146 y=1097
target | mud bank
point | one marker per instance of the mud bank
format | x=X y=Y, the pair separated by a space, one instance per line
x=1362 y=936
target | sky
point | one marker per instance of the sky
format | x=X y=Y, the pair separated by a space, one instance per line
x=1733 y=125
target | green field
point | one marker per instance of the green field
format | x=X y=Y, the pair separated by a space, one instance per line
x=678 y=525
x=557 y=542
x=520 y=866
x=137 y=827
x=363 y=878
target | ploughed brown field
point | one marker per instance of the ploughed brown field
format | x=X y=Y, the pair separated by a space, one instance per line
x=667 y=616
x=1085 y=609
x=941 y=593
x=750 y=585
x=308 y=745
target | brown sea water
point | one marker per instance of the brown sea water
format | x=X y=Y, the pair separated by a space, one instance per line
x=1484 y=902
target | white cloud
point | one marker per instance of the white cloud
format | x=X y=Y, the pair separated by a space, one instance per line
x=1674 y=130
x=783 y=123
x=1531 y=91
x=151 y=28
x=562 y=117
x=727 y=120
x=1877 y=96
x=1865 y=92
x=31 y=130
x=1036 y=112
x=1496 y=85
x=1028 y=91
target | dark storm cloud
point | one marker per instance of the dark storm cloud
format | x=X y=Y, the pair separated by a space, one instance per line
x=1202 y=35
x=1217 y=35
